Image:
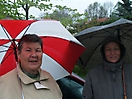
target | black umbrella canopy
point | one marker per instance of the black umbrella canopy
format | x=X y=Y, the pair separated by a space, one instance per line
x=92 y=37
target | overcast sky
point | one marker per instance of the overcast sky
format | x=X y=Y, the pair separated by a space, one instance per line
x=80 y=5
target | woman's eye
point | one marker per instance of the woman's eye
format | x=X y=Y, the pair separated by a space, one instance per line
x=28 y=50
x=117 y=48
x=38 y=51
x=108 y=49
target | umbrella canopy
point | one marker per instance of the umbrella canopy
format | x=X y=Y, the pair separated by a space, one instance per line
x=61 y=49
x=92 y=37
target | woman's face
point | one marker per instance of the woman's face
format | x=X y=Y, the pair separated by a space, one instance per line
x=30 y=57
x=112 y=52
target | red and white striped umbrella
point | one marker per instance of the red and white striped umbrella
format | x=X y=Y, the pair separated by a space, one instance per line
x=61 y=49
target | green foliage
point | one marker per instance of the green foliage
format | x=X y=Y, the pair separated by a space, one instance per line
x=12 y=8
x=79 y=71
x=67 y=16
x=109 y=21
x=85 y=25
x=123 y=9
x=96 y=10
x=5 y=9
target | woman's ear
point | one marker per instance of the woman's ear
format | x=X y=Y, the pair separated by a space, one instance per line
x=18 y=58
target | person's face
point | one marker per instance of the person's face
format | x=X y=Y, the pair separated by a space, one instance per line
x=112 y=52
x=30 y=56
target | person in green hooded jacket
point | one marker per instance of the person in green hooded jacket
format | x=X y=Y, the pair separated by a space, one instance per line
x=113 y=78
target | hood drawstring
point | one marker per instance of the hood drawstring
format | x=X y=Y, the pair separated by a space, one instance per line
x=124 y=84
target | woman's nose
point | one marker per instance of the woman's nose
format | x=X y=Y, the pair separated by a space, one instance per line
x=113 y=51
x=33 y=54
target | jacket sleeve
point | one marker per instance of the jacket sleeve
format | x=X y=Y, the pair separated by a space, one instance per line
x=87 y=89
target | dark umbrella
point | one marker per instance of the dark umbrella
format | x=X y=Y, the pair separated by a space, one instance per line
x=91 y=38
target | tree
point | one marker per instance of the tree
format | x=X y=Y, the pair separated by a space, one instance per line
x=123 y=9
x=2 y=8
x=93 y=14
x=67 y=16
x=5 y=9
x=109 y=7
x=96 y=11
x=13 y=7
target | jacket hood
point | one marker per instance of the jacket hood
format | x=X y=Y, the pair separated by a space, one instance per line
x=115 y=39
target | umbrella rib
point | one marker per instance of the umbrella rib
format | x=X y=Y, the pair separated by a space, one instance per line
x=13 y=42
x=5 y=46
x=6 y=57
x=27 y=29
x=92 y=53
x=3 y=51
x=6 y=33
x=127 y=32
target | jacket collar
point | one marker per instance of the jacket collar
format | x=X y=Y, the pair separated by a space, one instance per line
x=112 y=66
x=27 y=80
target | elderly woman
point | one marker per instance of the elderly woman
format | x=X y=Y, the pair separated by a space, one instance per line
x=29 y=81
x=112 y=79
